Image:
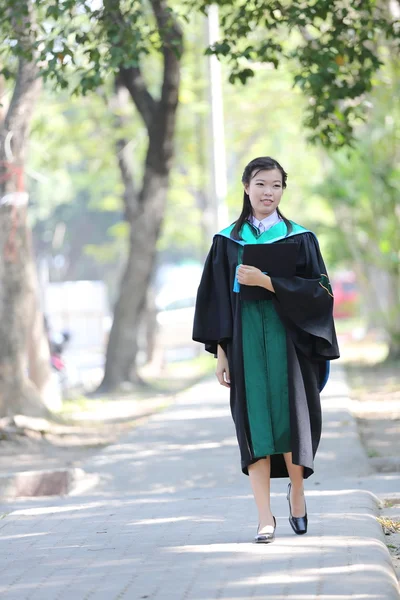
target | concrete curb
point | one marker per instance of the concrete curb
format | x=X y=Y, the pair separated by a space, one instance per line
x=390 y=582
x=363 y=473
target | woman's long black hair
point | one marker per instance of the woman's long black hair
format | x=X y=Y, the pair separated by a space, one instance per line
x=264 y=163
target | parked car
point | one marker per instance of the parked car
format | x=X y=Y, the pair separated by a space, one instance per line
x=175 y=311
x=346 y=293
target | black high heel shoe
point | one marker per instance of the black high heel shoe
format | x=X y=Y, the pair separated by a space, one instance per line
x=299 y=524
x=265 y=538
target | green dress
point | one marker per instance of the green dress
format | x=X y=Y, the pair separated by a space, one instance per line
x=264 y=343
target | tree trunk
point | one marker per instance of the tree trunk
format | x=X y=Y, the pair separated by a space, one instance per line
x=150 y=325
x=18 y=297
x=145 y=209
x=39 y=368
x=122 y=346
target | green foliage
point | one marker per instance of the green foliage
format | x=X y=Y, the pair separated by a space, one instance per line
x=181 y=233
x=259 y=125
x=332 y=45
x=70 y=153
x=81 y=43
x=363 y=183
x=73 y=181
x=73 y=148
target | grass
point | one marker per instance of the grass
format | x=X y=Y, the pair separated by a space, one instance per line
x=357 y=345
x=81 y=404
x=174 y=378
x=377 y=381
x=346 y=326
x=389 y=525
x=374 y=384
x=364 y=357
x=391 y=503
x=373 y=453
x=180 y=375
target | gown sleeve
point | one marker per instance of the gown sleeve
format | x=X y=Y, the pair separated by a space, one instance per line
x=213 y=323
x=306 y=302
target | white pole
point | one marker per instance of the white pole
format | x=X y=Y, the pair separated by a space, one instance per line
x=218 y=162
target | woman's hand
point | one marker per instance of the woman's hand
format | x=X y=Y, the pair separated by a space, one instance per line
x=247 y=275
x=222 y=371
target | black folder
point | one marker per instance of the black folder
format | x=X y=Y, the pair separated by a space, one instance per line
x=278 y=260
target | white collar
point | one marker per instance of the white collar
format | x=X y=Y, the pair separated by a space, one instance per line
x=267 y=222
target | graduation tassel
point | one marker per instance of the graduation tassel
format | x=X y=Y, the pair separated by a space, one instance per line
x=236 y=284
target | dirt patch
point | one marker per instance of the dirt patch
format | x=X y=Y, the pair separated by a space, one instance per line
x=375 y=394
x=34 y=444
x=88 y=423
x=390 y=522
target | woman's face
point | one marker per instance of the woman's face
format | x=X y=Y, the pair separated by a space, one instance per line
x=265 y=192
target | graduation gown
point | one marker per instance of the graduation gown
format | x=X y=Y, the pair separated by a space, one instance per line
x=278 y=349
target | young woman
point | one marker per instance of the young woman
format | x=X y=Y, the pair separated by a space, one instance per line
x=272 y=351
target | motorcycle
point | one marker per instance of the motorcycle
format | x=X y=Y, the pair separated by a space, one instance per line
x=58 y=343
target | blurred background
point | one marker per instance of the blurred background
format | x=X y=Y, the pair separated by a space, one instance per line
x=138 y=137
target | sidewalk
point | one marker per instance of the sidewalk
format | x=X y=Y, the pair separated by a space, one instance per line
x=173 y=519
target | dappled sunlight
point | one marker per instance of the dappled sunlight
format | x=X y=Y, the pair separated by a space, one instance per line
x=331 y=435
x=305 y=596
x=43 y=510
x=187 y=414
x=334 y=405
x=21 y=535
x=171 y=493
x=159 y=521
x=314 y=574
x=196 y=396
x=344 y=419
x=162 y=449
x=334 y=390
x=327 y=455
x=211 y=528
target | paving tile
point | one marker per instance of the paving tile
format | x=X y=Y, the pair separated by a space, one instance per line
x=174 y=520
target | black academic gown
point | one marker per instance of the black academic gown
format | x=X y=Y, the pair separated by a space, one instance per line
x=304 y=303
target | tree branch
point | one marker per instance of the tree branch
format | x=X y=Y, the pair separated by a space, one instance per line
x=158 y=116
x=27 y=87
x=172 y=44
x=130 y=196
x=132 y=79
x=161 y=147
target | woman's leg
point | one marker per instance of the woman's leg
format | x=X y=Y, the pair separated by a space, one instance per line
x=260 y=478
x=296 y=473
